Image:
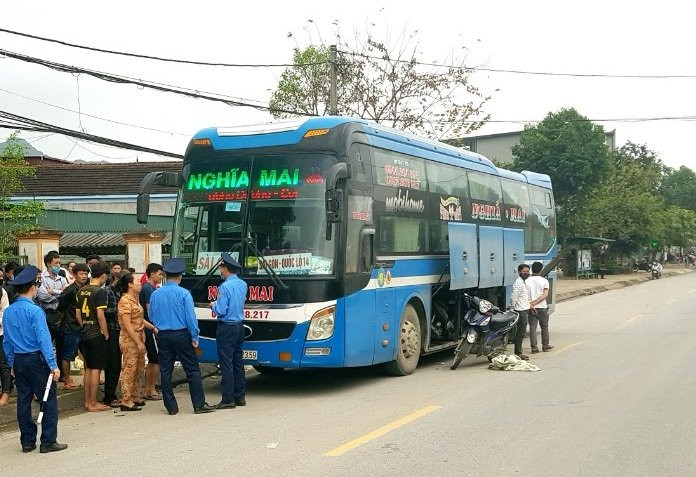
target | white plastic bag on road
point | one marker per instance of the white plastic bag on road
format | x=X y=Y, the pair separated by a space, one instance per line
x=511 y=362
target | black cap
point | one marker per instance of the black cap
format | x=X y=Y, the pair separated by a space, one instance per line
x=229 y=261
x=28 y=275
x=174 y=266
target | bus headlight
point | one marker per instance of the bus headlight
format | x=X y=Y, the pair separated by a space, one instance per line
x=321 y=326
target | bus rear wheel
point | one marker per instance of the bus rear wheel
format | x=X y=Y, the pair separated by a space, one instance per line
x=270 y=370
x=408 y=346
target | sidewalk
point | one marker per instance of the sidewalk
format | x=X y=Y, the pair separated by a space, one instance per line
x=570 y=288
x=73 y=400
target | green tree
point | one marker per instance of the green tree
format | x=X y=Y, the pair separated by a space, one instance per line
x=628 y=206
x=14 y=218
x=679 y=227
x=304 y=88
x=679 y=188
x=384 y=82
x=639 y=165
x=570 y=149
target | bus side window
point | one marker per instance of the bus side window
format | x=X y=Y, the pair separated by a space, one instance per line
x=484 y=187
x=405 y=235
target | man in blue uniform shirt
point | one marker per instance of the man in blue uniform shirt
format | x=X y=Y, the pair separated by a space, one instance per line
x=174 y=317
x=229 y=309
x=29 y=351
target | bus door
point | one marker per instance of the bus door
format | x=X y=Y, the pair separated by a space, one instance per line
x=491 y=256
x=463 y=253
x=514 y=253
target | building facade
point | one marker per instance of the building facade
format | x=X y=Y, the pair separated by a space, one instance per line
x=91 y=206
x=498 y=147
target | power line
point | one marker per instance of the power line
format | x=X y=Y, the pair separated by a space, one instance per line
x=158 y=58
x=92 y=115
x=520 y=72
x=77 y=143
x=15 y=121
x=113 y=78
x=528 y=121
x=36 y=139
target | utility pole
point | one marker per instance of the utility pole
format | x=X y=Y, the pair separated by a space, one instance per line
x=333 y=107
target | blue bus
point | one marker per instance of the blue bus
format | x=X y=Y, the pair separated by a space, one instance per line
x=355 y=239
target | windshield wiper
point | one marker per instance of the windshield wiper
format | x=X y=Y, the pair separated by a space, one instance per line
x=272 y=273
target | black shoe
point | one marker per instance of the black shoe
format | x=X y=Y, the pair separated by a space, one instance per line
x=139 y=403
x=134 y=408
x=241 y=402
x=55 y=447
x=535 y=350
x=205 y=408
x=173 y=412
x=523 y=356
x=30 y=448
x=226 y=405
x=548 y=348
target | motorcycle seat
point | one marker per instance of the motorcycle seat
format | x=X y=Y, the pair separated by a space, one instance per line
x=504 y=317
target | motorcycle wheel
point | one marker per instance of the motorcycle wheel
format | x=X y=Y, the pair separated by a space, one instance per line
x=460 y=352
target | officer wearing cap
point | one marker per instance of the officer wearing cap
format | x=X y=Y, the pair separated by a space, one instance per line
x=229 y=309
x=29 y=352
x=172 y=313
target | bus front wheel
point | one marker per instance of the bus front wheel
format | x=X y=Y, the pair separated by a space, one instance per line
x=408 y=345
x=271 y=370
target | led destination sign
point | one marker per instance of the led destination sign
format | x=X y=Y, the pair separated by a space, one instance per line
x=237 y=179
x=260 y=179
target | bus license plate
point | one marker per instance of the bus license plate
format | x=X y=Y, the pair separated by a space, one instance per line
x=250 y=354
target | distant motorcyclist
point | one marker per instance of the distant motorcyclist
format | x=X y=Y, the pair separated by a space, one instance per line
x=656 y=270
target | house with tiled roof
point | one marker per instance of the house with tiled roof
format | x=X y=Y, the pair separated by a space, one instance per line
x=92 y=205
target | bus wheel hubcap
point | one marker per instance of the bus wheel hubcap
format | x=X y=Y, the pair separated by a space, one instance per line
x=410 y=341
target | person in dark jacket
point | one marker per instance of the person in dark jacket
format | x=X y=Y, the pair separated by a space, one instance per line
x=67 y=303
x=112 y=371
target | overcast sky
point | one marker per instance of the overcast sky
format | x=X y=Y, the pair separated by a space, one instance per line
x=590 y=37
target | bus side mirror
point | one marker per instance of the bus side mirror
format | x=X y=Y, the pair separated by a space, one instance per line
x=142 y=209
x=334 y=209
x=165 y=179
x=334 y=196
x=367 y=259
x=334 y=205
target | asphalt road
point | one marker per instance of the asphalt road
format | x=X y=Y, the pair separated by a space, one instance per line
x=616 y=397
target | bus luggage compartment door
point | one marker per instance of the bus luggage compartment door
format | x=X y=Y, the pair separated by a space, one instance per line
x=490 y=256
x=513 y=243
x=463 y=254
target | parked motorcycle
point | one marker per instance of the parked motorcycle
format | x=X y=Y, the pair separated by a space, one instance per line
x=655 y=270
x=640 y=264
x=484 y=330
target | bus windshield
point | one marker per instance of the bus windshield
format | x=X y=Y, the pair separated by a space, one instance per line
x=275 y=201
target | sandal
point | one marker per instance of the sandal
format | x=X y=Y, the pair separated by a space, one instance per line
x=153 y=397
x=139 y=403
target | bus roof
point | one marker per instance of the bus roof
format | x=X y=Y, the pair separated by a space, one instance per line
x=290 y=132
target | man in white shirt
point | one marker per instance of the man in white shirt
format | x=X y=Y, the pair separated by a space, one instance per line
x=519 y=300
x=538 y=287
x=52 y=285
x=5 y=376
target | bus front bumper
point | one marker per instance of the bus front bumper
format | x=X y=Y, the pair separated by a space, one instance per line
x=294 y=352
